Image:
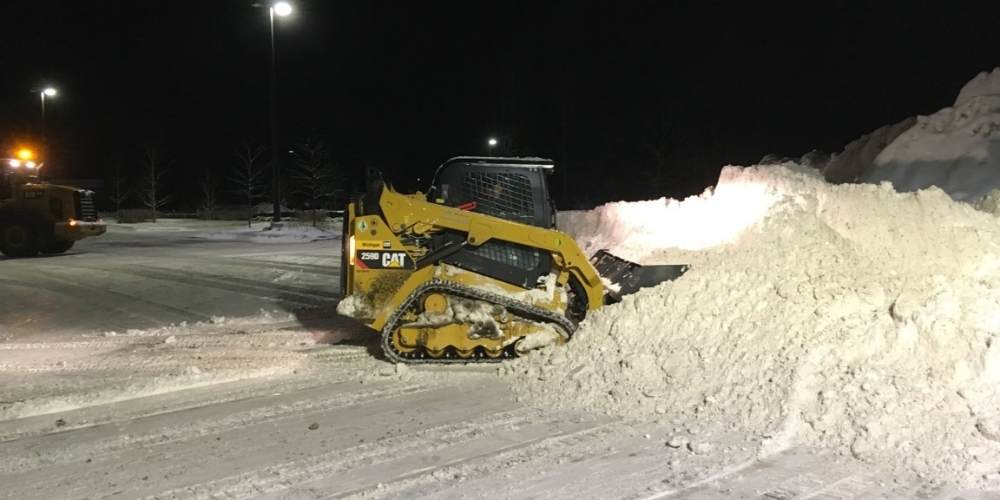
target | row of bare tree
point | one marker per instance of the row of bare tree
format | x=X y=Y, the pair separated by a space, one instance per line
x=314 y=180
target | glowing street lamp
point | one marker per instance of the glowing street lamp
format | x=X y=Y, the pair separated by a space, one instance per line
x=492 y=142
x=282 y=9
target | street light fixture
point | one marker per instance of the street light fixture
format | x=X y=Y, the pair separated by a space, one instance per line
x=492 y=142
x=282 y=9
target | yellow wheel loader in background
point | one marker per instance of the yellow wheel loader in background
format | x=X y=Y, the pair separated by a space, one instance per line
x=474 y=270
x=36 y=216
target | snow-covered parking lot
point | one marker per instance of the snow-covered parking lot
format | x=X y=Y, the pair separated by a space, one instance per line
x=200 y=361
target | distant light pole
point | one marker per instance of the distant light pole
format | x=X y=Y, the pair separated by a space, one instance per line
x=280 y=9
x=42 y=94
x=46 y=92
x=491 y=143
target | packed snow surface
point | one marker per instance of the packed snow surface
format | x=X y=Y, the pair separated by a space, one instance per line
x=846 y=316
x=55 y=376
x=956 y=148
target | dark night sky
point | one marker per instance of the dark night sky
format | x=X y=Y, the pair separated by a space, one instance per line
x=404 y=85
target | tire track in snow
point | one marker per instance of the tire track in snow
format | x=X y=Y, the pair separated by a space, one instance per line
x=147 y=406
x=137 y=307
x=194 y=397
x=20 y=455
x=239 y=285
x=254 y=266
x=345 y=466
x=802 y=473
x=203 y=459
x=285 y=266
x=201 y=279
x=536 y=442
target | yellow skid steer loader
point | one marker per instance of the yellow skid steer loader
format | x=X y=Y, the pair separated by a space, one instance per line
x=474 y=270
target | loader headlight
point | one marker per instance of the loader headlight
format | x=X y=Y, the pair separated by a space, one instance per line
x=350 y=250
x=14 y=163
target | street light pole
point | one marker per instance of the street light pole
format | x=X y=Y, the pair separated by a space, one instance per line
x=280 y=9
x=275 y=169
x=46 y=92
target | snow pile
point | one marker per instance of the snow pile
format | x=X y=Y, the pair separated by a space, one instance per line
x=356 y=306
x=284 y=233
x=956 y=149
x=264 y=319
x=636 y=229
x=848 y=316
x=266 y=208
x=984 y=84
x=989 y=203
x=165 y=225
x=859 y=156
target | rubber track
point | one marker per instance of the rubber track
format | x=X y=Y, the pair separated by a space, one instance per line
x=522 y=309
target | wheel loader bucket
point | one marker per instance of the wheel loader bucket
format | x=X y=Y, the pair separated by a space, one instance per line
x=628 y=277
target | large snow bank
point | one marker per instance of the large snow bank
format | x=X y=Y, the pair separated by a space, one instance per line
x=847 y=316
x=635 y=230
x=858 y=157
x=984 y=84
x=956 y=148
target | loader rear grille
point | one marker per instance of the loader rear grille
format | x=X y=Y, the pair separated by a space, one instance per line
x=505 y=195
x=85 y=209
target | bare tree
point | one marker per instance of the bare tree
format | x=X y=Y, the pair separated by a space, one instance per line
x=119 y=188
x=248 y=176
x=152 y=194
x=209 y=185
x=314 y=176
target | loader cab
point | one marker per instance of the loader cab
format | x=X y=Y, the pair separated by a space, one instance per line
x=515 y=189
x=15 y=173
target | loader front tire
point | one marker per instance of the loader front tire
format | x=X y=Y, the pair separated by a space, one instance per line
x=18 y=239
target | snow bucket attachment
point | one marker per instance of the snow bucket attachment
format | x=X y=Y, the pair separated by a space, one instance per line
x=627 y=277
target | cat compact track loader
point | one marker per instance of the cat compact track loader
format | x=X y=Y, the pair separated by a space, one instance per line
x=474 y=270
